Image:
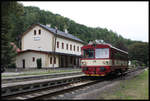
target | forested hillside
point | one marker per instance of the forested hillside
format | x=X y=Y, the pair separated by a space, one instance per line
x=31 y=15
x=35 y=15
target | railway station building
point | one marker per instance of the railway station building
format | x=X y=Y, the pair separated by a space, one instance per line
x=55 y=48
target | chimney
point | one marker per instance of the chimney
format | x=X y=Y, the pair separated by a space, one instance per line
x=48 y=25
x=56 y=29
x=66 y=31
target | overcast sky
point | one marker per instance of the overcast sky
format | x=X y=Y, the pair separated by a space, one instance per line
x=129 y=19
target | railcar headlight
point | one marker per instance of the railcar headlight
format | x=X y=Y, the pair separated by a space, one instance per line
x=107 y=62
x=103 y=62
x=83 y=63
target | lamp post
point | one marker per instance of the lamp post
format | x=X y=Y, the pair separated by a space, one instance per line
x=55 y=36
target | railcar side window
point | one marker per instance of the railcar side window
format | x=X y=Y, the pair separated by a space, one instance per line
x=102 y=53
x=88 y=53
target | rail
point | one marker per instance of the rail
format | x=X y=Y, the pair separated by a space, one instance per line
x=44 y=69
x=57 y=82
x=35 y=77
x=20 y=87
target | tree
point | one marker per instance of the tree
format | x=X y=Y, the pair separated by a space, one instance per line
x=7 y=52
x=119 y=44
x=13 y=25
x=139 y=51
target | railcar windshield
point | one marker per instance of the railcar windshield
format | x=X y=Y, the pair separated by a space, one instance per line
x=102 y=53
x=88 y=53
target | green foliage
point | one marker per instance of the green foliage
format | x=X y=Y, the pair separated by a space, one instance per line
x=35 y=15
x=13 y=65
x=135 y=88
x=139 y=51
x=119 y=44
x=39 y=63
x=7 y=51
x=16 y=19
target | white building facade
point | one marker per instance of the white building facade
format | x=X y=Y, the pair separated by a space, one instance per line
x=54 y=47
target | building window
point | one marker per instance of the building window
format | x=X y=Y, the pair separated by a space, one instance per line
x=57 y=44
x=33 y=59
x=54 y=60
x=70 y=47
x=67 y=46
x=102 y=53
x=50 y=60
x=78 y=48
x=39 y=31
x=62 y=45
x=74 y=47
x=34 y=32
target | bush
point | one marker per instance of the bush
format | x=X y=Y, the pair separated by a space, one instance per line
x=13 y=65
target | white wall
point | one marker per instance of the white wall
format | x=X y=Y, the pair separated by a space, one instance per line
x=48 y=60
x=28 y=56
x=67 y=41
x=45 y=42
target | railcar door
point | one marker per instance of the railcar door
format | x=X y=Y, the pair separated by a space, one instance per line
x=112 y=57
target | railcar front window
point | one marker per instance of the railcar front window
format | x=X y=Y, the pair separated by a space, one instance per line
x=102 y=53
x=88 y=53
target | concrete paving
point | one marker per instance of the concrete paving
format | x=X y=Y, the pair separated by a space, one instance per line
x=10 y=73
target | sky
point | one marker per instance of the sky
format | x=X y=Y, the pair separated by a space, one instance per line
x=128 y=19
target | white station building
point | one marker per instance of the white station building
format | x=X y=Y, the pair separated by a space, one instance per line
x=54 y=47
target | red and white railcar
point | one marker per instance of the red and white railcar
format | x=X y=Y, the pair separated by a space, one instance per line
x=102 y=59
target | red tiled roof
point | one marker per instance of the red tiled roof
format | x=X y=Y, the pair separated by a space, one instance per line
x=15 y=47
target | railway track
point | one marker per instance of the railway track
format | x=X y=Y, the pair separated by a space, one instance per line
x=61 y=89
x=37 y=77
x=52 y=91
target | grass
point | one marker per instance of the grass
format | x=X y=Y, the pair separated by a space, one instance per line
x=42 y=72
x=135 y=88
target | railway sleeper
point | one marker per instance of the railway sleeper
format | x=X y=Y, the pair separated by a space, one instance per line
x=31 y=87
